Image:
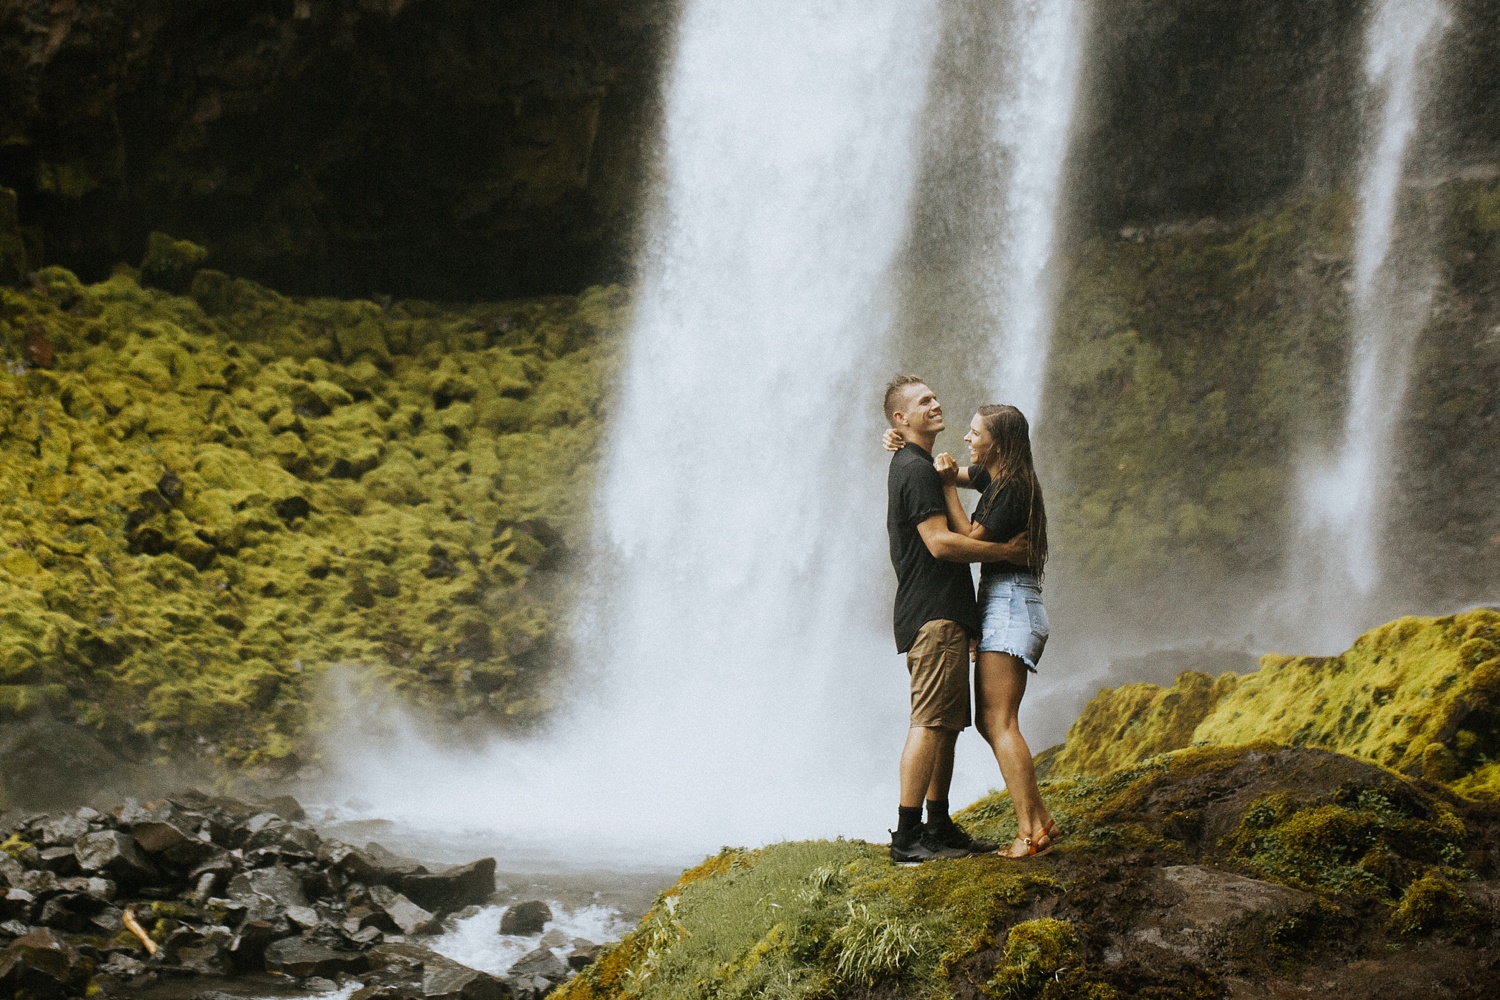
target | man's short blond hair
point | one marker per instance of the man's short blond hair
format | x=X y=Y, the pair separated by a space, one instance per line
x=895 y=389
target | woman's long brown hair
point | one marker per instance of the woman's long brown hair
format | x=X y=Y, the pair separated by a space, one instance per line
x=1011 y=434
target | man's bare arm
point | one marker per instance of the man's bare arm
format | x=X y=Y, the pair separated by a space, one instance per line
x=950 y=546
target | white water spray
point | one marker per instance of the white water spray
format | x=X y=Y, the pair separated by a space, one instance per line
x=1335 y=560
x=1032 y=128
x=737 y=658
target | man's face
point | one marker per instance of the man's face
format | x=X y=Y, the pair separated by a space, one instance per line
x=922 y=413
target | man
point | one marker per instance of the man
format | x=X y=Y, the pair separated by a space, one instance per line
x=936 y=618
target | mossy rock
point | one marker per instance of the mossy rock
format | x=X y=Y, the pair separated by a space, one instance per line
x=170 y=263
x=206 y=508
x=1420 y=695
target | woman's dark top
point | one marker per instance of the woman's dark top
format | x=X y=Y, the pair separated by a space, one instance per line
x=1004 y=518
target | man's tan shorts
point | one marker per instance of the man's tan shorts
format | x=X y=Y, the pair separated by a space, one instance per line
x=938 y=662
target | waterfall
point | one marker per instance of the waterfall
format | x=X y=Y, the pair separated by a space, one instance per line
x=1032 y=127
x=1335 y=560
x=736 y=662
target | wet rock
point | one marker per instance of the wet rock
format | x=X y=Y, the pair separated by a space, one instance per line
x=71 y=912
x=208 y=955
x=267 y=892
x=286 y=807
x=174 y=838
x=16 y=904
x=458 y=982
x=405 y=914
x=59 y=860
x=452 y=888
x=14 y=928
x=287 y=840
x=10 y=869
x=114 y=854
x=583 y=955
x=296 y=957
x=305 y=917
x=525 y=918
x=61 y=831
x=40 y=965
x=120 y=964
x=554 y=939
x=373 y=864
x=247 y=949
x=1202 y=909
x=539 y=962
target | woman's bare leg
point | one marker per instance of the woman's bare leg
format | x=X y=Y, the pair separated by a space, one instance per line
x=999 y=685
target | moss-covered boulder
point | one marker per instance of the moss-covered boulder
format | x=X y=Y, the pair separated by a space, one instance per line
x=1419 y=695
x=1206 y=872
x=206 y=508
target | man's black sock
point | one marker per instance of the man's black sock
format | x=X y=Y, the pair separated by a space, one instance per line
x=937 y=812
x=908 y=822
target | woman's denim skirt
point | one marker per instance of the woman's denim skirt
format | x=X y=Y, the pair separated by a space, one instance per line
x=1013 y=619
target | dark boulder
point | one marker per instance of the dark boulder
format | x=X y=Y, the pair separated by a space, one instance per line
x=17 y=904
x=296 y=957
x=405 y=914
x=41 y=965
x=286 y=807
x=525 y=918
x=59 y=860
x=247 y=949
x=115 y=854
x=539 y=962
x=71 y=911
x=60 y=831
x=459 y=982
x=584 y=954
x=267 y=892
x=452 y=888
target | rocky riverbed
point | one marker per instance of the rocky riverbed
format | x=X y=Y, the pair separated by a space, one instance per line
x=199 y=893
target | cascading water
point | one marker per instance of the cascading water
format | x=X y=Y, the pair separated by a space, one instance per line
x=720 y=694
x=1032 y=126
x=1335 y=560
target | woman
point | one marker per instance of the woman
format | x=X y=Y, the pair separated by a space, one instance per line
x=1014 y=625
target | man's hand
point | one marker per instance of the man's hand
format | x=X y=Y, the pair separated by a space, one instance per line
x=1021 y=546
x=947 y=469
x=892 y=440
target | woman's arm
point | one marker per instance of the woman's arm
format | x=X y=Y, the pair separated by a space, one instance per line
x=893 y=441
x=958 y=521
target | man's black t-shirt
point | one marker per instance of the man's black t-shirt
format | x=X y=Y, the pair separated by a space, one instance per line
x=927 y=588
x=1004 y=515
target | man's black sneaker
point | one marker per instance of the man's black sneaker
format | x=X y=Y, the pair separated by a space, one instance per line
x=950 y=834
x=915 y=850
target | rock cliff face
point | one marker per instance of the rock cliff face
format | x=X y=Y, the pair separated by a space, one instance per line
x=212 y=498
x=442 y=148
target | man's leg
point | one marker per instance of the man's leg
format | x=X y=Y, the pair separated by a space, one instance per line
x=926 y=764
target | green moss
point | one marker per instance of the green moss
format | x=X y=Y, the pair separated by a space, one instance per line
x=1433 y=903
x=1186 y=364
x=15 y=846
x=1034 y=952
x=169 y=263
x=206 y=509
x=1137 y=721
x=1399 y=691
x=13 y=257
x=804 y=919
x=1418 y=695
x=1350 y=842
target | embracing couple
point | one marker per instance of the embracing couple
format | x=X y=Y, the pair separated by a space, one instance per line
x=939 y=622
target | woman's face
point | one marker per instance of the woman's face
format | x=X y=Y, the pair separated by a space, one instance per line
x=979 y=441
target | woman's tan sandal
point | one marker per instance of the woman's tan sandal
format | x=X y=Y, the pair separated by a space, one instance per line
x=1030 y=848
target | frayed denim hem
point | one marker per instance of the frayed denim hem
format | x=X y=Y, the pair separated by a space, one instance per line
x=1028 y=661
